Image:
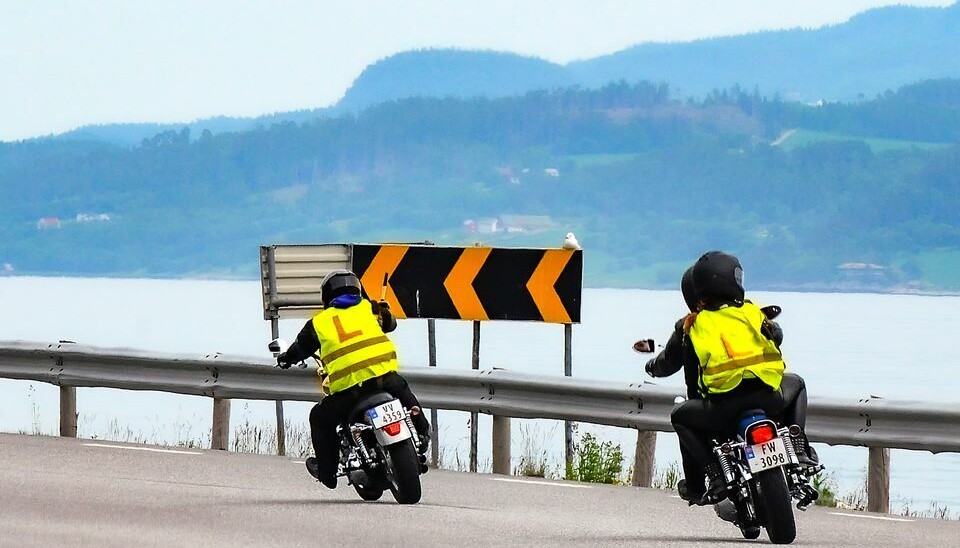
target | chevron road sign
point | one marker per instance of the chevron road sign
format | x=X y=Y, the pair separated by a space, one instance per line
x=473 y=283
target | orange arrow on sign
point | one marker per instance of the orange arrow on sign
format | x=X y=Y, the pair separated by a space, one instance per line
x=541 y=284
x=385 y=262
x=459 y=283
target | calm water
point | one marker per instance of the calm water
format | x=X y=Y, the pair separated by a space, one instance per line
x=845 y=345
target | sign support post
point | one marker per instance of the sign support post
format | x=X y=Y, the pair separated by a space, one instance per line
x=274 y=334
x=569 y=449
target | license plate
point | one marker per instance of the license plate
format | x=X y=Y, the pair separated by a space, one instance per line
x=386 y=413
x=766 y=455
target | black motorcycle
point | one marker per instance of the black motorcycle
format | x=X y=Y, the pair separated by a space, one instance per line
x=763 y=476
x=379 y=451
x=378 y=446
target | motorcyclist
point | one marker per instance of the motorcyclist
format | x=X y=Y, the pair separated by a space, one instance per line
x=359 y=359
x=679 y=354
x=730 y=355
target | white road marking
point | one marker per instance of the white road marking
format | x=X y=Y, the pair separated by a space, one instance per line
x=547 y=483
x=865 y=516
x=151 y=449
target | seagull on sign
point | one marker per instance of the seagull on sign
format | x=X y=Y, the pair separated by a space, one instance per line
x=571 y=242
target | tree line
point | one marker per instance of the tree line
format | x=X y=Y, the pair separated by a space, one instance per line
x=648 y=181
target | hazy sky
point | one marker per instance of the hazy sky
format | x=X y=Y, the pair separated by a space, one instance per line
x=67 y=64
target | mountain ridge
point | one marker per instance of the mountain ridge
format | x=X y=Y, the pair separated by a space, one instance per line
x=846 y=69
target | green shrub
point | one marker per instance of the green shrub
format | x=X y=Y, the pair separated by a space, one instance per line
x=596 y=462
x=826 y=486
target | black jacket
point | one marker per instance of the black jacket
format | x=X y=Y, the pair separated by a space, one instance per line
x=679 y=353
x=308 y=344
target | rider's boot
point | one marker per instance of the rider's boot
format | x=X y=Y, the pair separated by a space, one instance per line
x=314 y=470
x=806 y=454
x=688 y=492
x=422 y=453
x=717 y=487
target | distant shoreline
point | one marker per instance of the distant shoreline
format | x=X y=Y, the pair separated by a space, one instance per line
x=803 y=288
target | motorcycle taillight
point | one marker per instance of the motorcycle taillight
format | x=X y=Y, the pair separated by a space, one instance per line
x=392 y=429
x=761 y=433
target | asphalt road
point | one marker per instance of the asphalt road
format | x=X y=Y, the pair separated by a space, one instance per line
x=68 y=492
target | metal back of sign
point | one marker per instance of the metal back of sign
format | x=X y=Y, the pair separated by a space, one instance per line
x=473 y=283
x=290 y=277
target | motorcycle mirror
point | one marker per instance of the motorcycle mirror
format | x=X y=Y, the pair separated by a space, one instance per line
x=644 y=346
x=771 y=311
x=278 y=345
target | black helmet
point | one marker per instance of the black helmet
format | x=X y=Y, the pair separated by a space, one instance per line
x=336 y=283
x=718 y=279
x=688 y=290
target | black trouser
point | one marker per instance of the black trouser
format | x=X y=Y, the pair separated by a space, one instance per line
x=697 y=421
x=333 y=411
x=795 y=397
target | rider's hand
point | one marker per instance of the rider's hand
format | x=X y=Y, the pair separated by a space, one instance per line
x=283 y=362
x=384 y=305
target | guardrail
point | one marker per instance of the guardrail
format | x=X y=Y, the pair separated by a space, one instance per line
x=870 y=422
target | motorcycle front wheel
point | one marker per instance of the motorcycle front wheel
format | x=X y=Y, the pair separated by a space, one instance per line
x=777 y=511
x=403 y=471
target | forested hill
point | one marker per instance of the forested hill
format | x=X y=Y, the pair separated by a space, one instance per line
x=861 y=196
x=875 y=51
x=880 y=49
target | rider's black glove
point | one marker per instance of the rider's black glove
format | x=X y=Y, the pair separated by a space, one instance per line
x=283 y=362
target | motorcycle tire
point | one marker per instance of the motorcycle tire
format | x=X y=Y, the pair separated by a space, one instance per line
x=777 y=510
x=368 y=492
x=403 y=471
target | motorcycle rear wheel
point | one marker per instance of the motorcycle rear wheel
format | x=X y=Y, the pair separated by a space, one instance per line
x=774 y=498
x=403 y=471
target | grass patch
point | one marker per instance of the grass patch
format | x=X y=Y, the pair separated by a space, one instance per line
x=804 y=137
x=667 y=478
x=534 y=461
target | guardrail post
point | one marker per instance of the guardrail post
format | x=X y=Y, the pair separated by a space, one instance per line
x=501 y=445
x=434 y=426
x=68 y=411
x=878 y=480
x=220 y=432
x=643 y=460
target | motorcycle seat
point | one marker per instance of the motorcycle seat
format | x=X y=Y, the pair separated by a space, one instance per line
x=747 y=417
x=366 y=402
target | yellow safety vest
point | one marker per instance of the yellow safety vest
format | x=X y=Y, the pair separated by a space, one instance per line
x=353 y=347
x=731 y=348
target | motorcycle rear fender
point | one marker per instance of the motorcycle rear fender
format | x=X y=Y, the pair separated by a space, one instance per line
x=385 y=439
